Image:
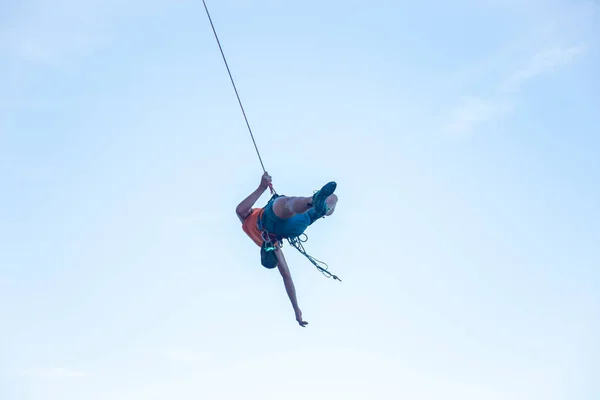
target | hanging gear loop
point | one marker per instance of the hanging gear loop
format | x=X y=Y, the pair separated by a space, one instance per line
x=297 y=243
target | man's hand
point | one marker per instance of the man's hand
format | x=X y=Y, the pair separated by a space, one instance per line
x=299 y=318
x=265 y=181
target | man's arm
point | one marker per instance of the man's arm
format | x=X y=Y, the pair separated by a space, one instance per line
x=243 y=209
x=289 y=285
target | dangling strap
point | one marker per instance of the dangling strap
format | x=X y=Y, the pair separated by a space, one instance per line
x=297 y=243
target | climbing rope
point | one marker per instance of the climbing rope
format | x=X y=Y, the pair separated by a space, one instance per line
x=236 y=91
x=297 y=243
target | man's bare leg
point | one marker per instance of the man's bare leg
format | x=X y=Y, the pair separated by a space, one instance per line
x=287 y=207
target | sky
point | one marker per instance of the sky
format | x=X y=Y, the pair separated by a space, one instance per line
x=463 y=136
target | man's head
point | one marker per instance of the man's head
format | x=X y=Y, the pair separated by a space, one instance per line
x=268 y=258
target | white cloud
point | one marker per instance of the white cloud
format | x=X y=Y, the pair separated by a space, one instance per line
x=51 y=373
x=474 y=111
x=506 y=70
x=541 y=62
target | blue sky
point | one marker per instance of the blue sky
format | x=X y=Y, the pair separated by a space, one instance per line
x=464 y=139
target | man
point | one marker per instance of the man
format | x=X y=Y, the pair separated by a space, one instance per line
x=283 y=217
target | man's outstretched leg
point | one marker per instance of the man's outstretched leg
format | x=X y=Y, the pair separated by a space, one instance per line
x=290 y=216
x=287 y=207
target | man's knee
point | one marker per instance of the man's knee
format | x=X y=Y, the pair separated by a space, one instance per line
x=281 y=207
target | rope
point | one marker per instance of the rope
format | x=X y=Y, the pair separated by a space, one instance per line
x=297 y=243
x=235 y=89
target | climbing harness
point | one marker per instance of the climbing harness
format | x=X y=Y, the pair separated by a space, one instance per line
x=271 y=241
x=268 y=257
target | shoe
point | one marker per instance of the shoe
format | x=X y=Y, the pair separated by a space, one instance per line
x=319 y=198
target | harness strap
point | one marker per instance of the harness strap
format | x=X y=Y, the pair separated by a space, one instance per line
x=267 y=237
